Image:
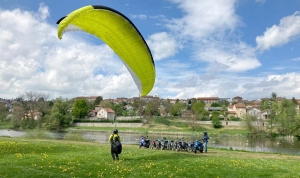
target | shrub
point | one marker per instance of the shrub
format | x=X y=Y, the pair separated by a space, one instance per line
x=232 y=118
x=179 y=124
x=162 y=120
x=205 y=118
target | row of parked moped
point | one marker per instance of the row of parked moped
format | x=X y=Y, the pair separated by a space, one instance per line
x=174 y=145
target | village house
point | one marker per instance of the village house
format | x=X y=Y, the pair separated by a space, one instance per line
x=237 y=99
x=106 y=113
x=236 y=110
x=33 y=114
x=208 y=100
x=240 y=110
x=92 y=113
x=128 y=107
x=257 y=113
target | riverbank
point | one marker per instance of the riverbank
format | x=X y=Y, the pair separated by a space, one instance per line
x=175 y=126
x=160 y=128
x=55 y=158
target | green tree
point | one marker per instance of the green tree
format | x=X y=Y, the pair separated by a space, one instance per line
x=272 y=114
x=215 y=105
x=286 y=118
x=215 y=119
x=60 y=115
x=249 y=120
x=296 y=126
x=294 y=101
x=80 y=108
x=193 y=101
x=177 y=109
x=189 y=105
x=198 y=108
x=167 y=106
x=98 y=100
x=3 y=112
x=139 y=106
x=152 y=108
x=106 y=104
x=274 y=96
x=224 y=111
x=18 y=115
x=198 y=111
x=264 y=105
x=131 y=113
x=119 y=109
x=224 y=102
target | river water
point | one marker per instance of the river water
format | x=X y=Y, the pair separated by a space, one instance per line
x=288 y=145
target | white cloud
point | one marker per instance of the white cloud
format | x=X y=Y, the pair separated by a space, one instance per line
x=34 y=59
x=229 y=86
x=139 y=16
x=43 y=11
x=260 y=1
x=162 y=45
x=296 y=59
x=202 y=18
x=211 y=34
x=234 y=57
x=287 y=30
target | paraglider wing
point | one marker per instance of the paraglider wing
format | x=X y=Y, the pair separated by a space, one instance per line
x=118 y=32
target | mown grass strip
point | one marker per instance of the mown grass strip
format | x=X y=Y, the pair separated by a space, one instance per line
x=55 y=158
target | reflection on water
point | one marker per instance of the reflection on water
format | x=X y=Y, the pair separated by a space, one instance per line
x=288 y=145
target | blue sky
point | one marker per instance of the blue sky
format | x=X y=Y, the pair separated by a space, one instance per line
x=201 y=48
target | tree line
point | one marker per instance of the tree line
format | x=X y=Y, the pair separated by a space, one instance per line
x=61 y=112
x=35 y=110
x=283 y=118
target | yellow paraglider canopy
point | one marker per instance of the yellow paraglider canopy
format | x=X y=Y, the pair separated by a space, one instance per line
x=118 y=32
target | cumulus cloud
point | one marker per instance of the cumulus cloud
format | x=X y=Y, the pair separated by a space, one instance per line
x=233 y=57
x=250 y=88
x=202 y=18
x=210 y=32
x=162 y=45
x=287 y=30
x=34 y=59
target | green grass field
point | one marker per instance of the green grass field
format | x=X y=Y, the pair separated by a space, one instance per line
x=60 y=158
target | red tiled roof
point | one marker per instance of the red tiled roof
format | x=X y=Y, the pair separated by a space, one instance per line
x=240 y=105
x=231 y=112
x=109 y=110
x=237 y=97
x=208 y=98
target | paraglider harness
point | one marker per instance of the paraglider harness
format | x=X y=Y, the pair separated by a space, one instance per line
x=116 y=144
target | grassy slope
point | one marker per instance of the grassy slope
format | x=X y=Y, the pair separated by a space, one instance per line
x=38 y=158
